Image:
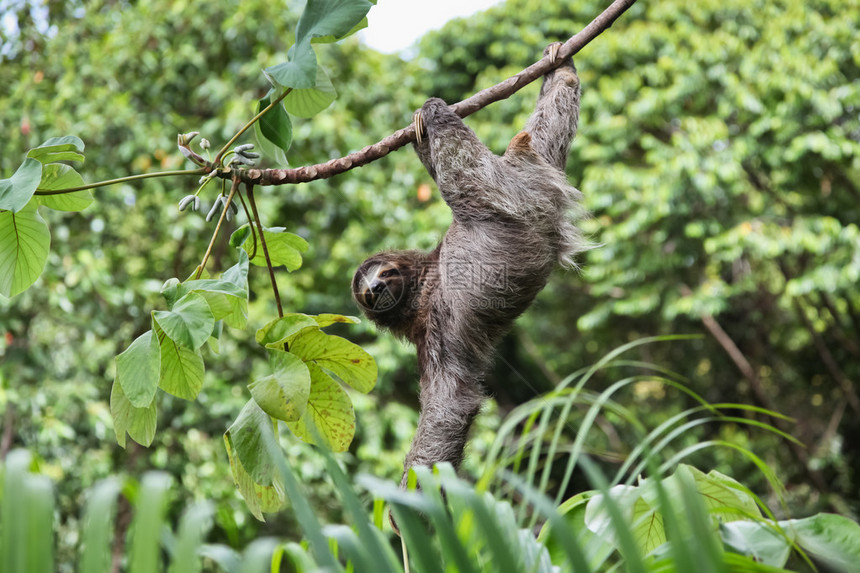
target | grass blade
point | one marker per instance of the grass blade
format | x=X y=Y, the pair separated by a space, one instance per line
x=97 y=531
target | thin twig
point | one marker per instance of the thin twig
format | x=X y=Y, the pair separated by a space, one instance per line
x=464 y=108
x=248 y=216
x=233 y=191
x=740 y=360
x=199 y=171
x=249 y=191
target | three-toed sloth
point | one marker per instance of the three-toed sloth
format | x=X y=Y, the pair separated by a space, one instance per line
x=511 y=226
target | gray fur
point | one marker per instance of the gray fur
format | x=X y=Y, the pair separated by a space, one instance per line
x=512 y=225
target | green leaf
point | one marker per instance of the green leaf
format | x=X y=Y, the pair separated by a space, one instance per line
x=335 y=18
x=598 y=518
x=283 y=394
x=281 y=330
x=240 y=235
x=238 y=273
x=66 y=148
x=226 y=300
x=16 y=191
x=724 y=497
x=24 y=244
x=284 y=249
x=58 y=176
x=646 y=523
x=253 y=470
x=150 y=508
x=832 y=538
x=324 y=320
x=193 y=529
x=140 y=423
x=214 y=340
x=189 y=323
x=238 y=276
x=332 y=38
x=758 y=540
x=346 y=360
x=137 y=370
x=596 y=549
x=248 y=444
x=275 y=126
x=258 y=498
x=270 y=151
x=172 y=291
x=97 y=530
x=329 y=414
x=309 y=101
x=299 y=72
x=181 y=372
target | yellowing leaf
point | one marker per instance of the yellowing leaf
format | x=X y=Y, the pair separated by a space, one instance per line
x=346 y=360
x=329 y=416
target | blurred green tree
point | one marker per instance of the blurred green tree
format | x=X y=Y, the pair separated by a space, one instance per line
x=718 y=154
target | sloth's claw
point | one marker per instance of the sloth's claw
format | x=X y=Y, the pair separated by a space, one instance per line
x=418 y=122
x=552 y=51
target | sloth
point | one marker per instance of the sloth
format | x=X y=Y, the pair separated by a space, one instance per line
x=512 y=224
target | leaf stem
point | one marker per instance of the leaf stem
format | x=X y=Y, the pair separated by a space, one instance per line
x=233 y=190
x=250 y=225
x=249 y=192
x=200 y=171
x=247 y=126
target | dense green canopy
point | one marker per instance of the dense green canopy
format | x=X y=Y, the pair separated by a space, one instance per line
x=718 y=153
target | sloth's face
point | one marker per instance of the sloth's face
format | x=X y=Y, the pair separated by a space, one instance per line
x=378 y=286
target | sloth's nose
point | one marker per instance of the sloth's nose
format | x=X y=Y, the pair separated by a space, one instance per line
x=377 y=286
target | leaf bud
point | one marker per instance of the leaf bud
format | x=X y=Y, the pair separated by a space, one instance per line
x=192 y=200
x=183 y=139
x=215 y=208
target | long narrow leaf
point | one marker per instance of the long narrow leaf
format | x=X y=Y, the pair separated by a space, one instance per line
x=39 y=501
x=195 y=524
x=97 y=532
x=144 y=553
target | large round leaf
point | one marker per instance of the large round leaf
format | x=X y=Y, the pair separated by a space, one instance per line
x=189 y=323
x=284 y=393
x=137 y=369
x=17 y=191
x=329 y=417
x=24 y=243
x=346 y=360
x=58 y=176
x=181 y=371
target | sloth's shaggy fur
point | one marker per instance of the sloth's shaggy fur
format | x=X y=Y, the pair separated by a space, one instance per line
x=512 y=223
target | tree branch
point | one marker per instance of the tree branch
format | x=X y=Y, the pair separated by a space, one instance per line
x=747 y=370
x=464 y=108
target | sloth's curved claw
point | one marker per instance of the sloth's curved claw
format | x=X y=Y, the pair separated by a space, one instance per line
x=418 y=122
x=552 y=51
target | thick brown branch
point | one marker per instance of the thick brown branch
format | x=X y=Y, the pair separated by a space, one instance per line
x=464 y=108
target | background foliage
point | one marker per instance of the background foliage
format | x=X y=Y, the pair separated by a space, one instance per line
x=719 y=152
